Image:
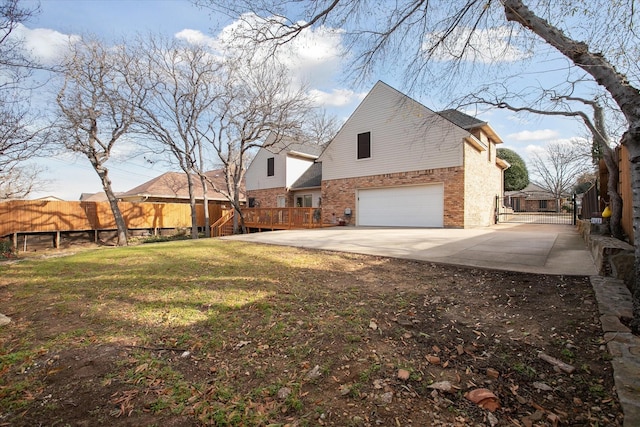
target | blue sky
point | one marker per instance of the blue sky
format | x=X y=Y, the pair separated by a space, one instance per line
x=316 y=61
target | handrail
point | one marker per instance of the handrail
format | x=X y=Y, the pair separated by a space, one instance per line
x=282 y=218
x=216 y=227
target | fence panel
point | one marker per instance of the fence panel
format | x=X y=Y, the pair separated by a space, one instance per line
x=33 y=216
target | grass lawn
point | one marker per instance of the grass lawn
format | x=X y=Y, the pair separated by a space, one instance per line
x=213 y=332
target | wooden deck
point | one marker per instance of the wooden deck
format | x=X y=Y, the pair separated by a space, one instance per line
x=282 y=218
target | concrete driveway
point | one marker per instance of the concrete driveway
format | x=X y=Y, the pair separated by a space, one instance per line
x=547 y=249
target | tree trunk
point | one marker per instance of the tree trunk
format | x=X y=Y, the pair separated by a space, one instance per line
x=615 y=201
x=238 y=220
x=113 y=203
x=192 y=204
x=205 y=199
x=634 y=157
x=626 y=96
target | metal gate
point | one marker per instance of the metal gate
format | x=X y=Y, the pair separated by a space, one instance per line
x=512 y=210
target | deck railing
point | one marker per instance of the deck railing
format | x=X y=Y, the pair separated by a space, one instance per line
x=282 y=218
x=219 y=227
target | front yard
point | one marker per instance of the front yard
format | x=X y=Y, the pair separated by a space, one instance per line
x=221 y=333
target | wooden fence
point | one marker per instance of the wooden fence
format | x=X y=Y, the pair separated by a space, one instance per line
x=36 y=216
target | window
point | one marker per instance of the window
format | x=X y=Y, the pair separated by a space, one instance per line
x=543 y=204
x=271 y=166
x=305 y=201
x=364 y=145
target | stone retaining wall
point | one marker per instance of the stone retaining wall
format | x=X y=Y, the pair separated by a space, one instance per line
x=612 y=257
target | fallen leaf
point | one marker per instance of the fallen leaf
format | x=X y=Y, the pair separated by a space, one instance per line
x=141 y=368
x=445 y=386
x=403 y=374
x=434 y=360
x=492 y=373
x=484 y=398
x=479 y=395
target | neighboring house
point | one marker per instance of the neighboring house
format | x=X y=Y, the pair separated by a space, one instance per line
x=95 y=197
x=533 y=198
x=283 y=174
x=172 y=187
x=393 y=163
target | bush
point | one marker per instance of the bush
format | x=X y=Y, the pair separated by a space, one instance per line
x=6 y=249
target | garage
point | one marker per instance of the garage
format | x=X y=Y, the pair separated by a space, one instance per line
x=408 y=206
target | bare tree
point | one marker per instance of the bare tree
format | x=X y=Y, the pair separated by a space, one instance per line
x=257 y=102
x=97 y=106
x=20 y=136
x=184 y=85
x=555 y=103
x=19 y=181
x=320 y=127
x=606 y=48
x=557 y=167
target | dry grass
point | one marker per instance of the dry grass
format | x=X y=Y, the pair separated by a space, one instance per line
x=225 y=333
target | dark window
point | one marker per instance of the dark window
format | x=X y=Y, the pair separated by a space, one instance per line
x=252 y=202
x=364 y=145
x=543 y=204
x=270 y=166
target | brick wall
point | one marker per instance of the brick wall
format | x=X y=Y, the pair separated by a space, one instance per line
x=268 y=198
x=483 y=183
x=339 y=194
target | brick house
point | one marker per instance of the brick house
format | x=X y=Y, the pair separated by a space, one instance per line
x=397 y=163
x=533 y=198
x=284 y=174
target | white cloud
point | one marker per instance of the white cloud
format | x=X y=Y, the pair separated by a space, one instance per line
x=535 y=135
x=195 y=37
x=313 y=58
x=487 y=45
x=337 y=97
x=575 y=143
x=45 y=45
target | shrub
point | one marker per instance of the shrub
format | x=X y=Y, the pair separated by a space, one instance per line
x=6 y=249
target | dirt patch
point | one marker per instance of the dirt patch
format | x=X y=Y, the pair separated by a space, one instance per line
x=362 y=341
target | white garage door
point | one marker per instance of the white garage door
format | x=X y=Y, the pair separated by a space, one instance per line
x=411 y=206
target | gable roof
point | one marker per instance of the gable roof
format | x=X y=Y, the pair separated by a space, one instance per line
x=311 y=178
x=532 y=192
x=468 y=122
x=461 y=119
x=173 y=185
x=290 y=145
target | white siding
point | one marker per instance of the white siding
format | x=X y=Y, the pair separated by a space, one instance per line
x=256 y=177
x=405 y=136
x=295 y=168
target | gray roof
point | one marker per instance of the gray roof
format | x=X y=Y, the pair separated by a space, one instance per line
x=288 y=144
x=312 y=177
x=533 y=192
x=463 y=120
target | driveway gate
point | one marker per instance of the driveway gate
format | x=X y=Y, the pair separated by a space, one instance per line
x=509 y=212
